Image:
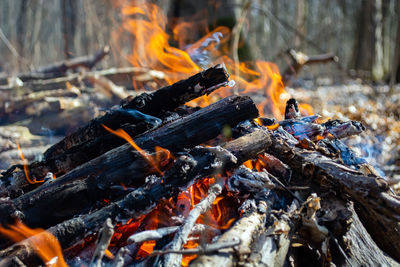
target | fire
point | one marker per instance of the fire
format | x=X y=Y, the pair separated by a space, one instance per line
x=45 y=244
x=147 y=24
x=124 y=135
x=26 y=170
x=220 y=216
x=152 y=49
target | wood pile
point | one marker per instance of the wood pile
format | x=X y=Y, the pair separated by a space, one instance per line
x=234 y=188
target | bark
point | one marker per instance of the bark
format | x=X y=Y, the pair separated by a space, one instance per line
x=165 y=99
x=187 y=132
x=79 y=189
x=379 y=208
x=244 y=229
x=200 y=162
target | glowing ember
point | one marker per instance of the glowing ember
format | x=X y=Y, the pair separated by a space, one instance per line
x=45 y=244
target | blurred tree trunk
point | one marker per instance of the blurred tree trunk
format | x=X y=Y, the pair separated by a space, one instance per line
x=365 y=37
x=300 y=22
x=395 y=72
x=68 y=11
x=377 y=68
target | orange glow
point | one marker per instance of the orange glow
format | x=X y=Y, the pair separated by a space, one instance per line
x=273 y=126
x=145 y=249
x=248 y=164
x=187 y=258
x=45 y=244
x=147 y=24
x=306 y=109
x=26 y=170
x=124 y=135
x=109 y=254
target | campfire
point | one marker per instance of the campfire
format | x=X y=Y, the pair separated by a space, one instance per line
x=205 y=161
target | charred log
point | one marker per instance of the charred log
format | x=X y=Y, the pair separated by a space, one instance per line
x=80 y=188
x=165 y=99
x=187 y=132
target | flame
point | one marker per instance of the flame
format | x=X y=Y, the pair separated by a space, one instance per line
x=220 y=216
x=147 y=24
x=45 y=244
x=124 y=135
x=26 y=170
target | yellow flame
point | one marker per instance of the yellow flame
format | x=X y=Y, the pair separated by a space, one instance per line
x=124 y=135
x=26 y=169
x=45 y=244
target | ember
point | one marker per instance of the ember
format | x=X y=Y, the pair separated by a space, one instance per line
x=209 y=159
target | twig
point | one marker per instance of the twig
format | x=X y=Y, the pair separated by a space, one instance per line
x=102 y=243
x=152 y=234
x=161 y=232
x=200 y=250
x=184 y=231
x=285 y=187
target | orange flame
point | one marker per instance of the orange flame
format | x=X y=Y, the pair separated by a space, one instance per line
x=147 y=23
x=45 y=244
x=124 y=135
x=26 y=170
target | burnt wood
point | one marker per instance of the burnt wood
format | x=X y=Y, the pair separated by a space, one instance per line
x=198 y=163
x=378 y=209
x=165 y=99
x=80 y=188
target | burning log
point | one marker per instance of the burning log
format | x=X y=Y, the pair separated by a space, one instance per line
x=200 y=162
x=165 y=99
x=83 y=186
x=103 y=242
x=92 y=141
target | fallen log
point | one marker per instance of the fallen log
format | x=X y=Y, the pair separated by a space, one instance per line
x=60 y=68
x=299 y=60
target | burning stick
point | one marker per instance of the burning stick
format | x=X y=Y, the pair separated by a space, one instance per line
x=181 y=237
x=103 y=241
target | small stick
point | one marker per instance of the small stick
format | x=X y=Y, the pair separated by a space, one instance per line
x=161 y=232
x=102 y=243
x=184 y=231
x=152 y=234
x=200 y=250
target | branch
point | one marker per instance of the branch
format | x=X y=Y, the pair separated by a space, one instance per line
x=181 y=237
